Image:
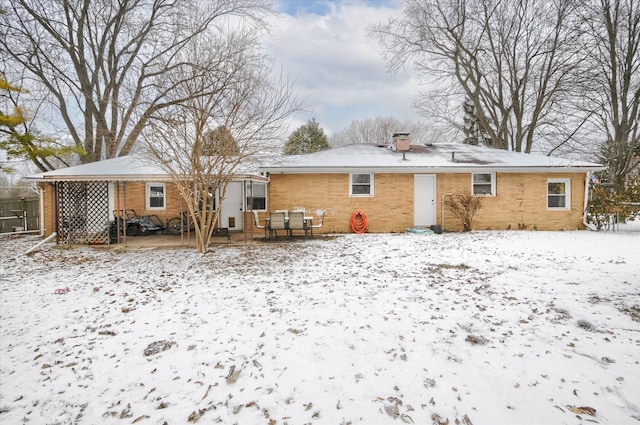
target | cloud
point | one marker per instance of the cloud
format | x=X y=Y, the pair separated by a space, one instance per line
x=338 y=67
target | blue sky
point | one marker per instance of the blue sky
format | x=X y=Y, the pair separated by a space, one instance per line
x=323 y=7
x=325 y=47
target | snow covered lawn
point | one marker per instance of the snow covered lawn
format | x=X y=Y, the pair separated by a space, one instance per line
x=482 y=328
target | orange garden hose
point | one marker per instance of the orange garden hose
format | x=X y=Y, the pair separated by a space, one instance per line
x=359 y=222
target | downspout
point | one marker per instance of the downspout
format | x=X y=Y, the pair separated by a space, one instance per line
x=442 y=206
x=586 y=201
x=41 y=196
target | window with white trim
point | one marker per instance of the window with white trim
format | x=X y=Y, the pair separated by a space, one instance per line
x=155 y=196
x=483 y=184
x=558 y=194
x=256 y=193
x=361 y=184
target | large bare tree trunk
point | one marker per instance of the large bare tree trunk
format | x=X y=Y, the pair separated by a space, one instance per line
x=513 y=59
x=106 y=62
x=612 y=44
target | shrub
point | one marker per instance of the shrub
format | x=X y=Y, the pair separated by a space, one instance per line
x=606 y=205
x=464 y=206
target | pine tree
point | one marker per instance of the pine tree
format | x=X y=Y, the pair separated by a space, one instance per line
x=219 y=142
x=307 y=138
x=474 y=134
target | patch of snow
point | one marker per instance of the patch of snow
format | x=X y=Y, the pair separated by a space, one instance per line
x=483 y=328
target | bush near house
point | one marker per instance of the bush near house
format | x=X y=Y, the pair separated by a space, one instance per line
x=606 y=205
x=464 y=206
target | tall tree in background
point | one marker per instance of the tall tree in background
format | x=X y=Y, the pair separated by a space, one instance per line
x=307 y=138
x=379 y=131
x=219 y=141
x=474 y=133
x=107 y=63
x=612 y=46
x=513 y=59
x=230 y=89
x=376 y=131
x=19 y=139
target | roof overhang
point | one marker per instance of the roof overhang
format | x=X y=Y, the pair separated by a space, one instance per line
x=132 y=178
x=427 y=170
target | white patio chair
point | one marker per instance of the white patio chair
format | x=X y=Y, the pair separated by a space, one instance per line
x=276 y=222
x=296 y=222
x=286 y=213
x=319 y=224
x=257 y=223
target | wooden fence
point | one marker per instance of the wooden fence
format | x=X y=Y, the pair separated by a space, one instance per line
x=18 y=215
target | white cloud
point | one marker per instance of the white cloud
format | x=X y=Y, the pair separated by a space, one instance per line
x=338 y=67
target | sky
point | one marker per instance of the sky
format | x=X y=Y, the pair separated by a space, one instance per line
x=485 y=327
x=338 y=68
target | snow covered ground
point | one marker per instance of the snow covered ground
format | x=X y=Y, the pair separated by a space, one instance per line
x=502 y=327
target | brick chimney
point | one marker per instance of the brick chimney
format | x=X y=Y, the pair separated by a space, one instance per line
x=400 y=142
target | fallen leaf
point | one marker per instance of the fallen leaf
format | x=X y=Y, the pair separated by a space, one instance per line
x=583 y=410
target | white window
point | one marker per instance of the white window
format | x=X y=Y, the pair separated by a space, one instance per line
x=558 y=194
x=155 y=196
x=483 y=184
x=361 y=184
x=256 y=193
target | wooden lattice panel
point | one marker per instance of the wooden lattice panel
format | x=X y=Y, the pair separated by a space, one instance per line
x=83 y=212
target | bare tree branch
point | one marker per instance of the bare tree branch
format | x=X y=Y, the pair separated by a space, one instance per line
x=106 y=62
x=514 y=59
x=228 y=85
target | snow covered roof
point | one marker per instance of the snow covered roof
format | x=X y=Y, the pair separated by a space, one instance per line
x=441 y=157
x=125 y=168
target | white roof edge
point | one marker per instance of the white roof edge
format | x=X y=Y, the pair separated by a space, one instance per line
x=420 y=170
x=40 y=178
x=132 y=178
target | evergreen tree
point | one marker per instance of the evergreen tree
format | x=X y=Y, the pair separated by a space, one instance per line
x=219 y=142
x=307 y=138
x=474 y=134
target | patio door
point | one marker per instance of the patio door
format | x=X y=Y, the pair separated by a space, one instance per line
x=231 y=208
x=424 y=200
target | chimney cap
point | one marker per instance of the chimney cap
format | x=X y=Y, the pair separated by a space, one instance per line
x=400 y=134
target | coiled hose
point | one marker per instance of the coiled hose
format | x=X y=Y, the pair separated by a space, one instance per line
x=358 y=222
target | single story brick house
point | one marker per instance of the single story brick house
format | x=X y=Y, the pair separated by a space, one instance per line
x=396 y=186
x=78 y=203
x=400 y=186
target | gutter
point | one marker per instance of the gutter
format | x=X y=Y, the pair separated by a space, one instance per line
x=470 y=168
x=41 y=196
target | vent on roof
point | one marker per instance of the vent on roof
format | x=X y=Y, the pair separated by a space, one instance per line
x=401 y=142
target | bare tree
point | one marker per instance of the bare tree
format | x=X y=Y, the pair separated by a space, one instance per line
x=513 y=59
x=106 y=63
x=612 y=46
x=19 y=137
x=229 y=85
x=378 y=131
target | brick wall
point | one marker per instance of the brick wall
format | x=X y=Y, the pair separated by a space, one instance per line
x=49 y=203
x=136 y=199
x=520 y=201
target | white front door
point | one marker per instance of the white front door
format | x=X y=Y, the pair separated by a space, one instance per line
x=231 y=208
x=424 y=200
